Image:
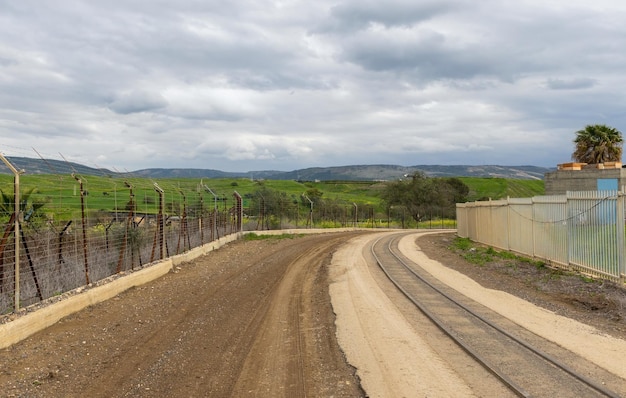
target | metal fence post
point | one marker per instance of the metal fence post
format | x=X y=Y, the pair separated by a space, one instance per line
x=533 y=227
x=621 y=239
x=238 y=211
x=214 y=217
x=16 y=229
x=84 y=227
x=160 y=221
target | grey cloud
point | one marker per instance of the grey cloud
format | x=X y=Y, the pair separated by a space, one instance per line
x=427 y=55
x=281 y=80
x=356 y=15
x=330 y=75
x=7 y=61
x=111 y=45
x=490 y=40
x=571 y=84
x=137 y=101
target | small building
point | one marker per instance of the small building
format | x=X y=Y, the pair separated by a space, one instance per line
x=608 y=176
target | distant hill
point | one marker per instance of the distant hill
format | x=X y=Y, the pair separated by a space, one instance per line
x=50 y=166
x=390 y=172
x=346 y=173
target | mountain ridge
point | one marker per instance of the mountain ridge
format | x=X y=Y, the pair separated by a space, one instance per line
x=347 y=173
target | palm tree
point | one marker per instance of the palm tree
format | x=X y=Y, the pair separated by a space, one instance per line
x=598 y=143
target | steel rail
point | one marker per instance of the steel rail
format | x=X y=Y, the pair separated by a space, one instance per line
x=518 y=390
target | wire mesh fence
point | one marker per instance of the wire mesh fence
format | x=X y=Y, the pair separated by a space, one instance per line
x=62 y=228
x=72 y=230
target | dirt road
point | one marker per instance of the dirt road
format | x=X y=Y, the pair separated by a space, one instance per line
x=250 y=319
x=254 y=318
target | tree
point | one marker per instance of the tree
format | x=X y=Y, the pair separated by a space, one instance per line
x=270 y=205
x=425 y=197
x=456 y=190
x=598 y=143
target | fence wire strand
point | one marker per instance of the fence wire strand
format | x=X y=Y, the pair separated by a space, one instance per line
x=77 y=230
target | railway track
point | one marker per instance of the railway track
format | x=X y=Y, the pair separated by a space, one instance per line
x=525 y=363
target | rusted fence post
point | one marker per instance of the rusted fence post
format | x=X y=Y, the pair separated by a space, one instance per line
x=129 y=219
x=201 y=213
x=160 y=233
x=183 y=232
x=214 y=217
x=238 y=211
x=82 y=215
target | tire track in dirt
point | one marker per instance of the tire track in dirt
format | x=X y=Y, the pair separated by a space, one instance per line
x=152 y=354
x=198 y=331
x=277 y=364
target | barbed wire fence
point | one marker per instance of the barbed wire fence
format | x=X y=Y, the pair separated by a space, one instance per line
x=70 y=230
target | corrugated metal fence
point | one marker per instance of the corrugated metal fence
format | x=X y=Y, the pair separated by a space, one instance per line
x=582 y=231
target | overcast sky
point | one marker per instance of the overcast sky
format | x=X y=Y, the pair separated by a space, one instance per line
x=244 y=85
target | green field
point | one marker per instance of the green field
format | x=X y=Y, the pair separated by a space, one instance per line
x=62 y=193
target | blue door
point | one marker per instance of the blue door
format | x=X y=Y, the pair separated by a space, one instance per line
x=607 y=209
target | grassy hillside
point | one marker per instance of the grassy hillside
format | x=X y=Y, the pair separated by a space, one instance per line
x=62 y=193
